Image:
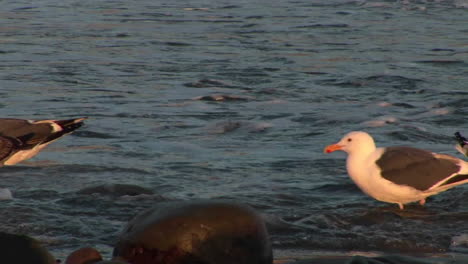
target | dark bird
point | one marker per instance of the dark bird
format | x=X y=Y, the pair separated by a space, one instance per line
x=22 y=139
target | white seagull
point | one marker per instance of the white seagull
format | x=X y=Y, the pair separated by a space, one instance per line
x=398 y=175
x=22 y=139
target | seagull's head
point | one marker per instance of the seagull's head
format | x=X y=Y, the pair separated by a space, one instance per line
x=356 y=141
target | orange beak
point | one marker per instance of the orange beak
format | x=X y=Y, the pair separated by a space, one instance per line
x=332 y=147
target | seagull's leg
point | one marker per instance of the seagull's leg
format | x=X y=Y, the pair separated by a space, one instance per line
x=422 y=202
x=401 y=206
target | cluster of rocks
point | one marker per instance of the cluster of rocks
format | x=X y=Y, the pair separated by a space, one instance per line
x=186 y=232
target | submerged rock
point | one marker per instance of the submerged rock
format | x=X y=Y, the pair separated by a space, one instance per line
x=200 y=232
x=224 y=127
x=21 y=249
x=222 y=97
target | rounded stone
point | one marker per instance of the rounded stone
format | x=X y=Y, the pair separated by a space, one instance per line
x=84 y=255
x=197 y=232
x=23 y=249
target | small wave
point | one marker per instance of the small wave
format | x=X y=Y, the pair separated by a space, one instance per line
x=389 y=81
x=444 y=63
x=92 y=134
x=116 y=190
x=96 y=169
x=414 y=135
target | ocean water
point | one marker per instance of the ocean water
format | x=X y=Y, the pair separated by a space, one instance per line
x=233 y=100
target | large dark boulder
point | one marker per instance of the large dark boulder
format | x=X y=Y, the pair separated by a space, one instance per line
x=200 y=232
x=21 y=249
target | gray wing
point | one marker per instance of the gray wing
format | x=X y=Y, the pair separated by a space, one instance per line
x=413 y=167
x=8 y=126
x=28 y=133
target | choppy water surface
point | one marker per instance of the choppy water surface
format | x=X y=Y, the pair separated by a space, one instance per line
x=233 y=100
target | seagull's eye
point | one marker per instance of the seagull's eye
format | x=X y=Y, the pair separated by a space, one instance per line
x=350 y=139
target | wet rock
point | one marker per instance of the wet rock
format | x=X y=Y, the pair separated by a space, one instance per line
x=116 y=190
x=203 y=83
x=21 y=249
x=86 y=255
x=390 y=259
x=199 y=232
x=317 y=260
x=387 y=259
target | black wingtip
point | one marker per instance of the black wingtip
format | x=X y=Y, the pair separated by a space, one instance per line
x=461 y=140
x=68 y=126
x=67 y=122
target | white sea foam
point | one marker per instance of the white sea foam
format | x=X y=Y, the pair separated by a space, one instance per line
x=460 y=240
x=5 y=194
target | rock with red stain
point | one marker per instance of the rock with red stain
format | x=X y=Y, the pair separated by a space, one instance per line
x=200 y=232
x=84 y=255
